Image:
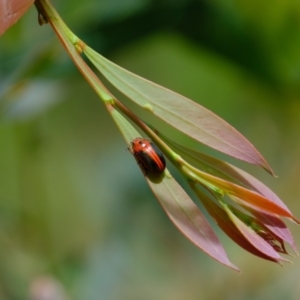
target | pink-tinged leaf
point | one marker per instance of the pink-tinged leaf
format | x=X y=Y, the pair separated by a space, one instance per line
x=253 y=238
x=225 y=223
x=276 y=226
x=225 y=171
x=187 y=217
x=11 y=11
x=180 y=112
x=230 y=173
x=260 y=229
x=252 y=183
x=248 y=197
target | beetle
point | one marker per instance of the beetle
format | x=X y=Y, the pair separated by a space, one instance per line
x=148 y=156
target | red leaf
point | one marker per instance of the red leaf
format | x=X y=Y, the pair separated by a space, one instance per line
x=276 y=226
x=226 y=224
x=11 y=11
x=253 y=238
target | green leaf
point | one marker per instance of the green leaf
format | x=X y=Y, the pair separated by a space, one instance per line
x=180 y=112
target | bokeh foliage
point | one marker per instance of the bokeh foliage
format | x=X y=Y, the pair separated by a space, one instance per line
x=73 y=204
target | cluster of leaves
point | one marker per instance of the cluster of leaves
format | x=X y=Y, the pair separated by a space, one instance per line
x=246 y=210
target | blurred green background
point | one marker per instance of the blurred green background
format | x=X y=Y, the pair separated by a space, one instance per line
x=77 y=219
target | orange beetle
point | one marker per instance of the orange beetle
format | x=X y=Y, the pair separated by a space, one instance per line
x=148 y=156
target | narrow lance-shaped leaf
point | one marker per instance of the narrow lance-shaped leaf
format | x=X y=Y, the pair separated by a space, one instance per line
x=180 y=112
x=225 y=223
x=258 y=225
x=258 y=242
x=246 y=196
x=187 y=217
x=272 y=222
x=225 y=171
x=276 y=226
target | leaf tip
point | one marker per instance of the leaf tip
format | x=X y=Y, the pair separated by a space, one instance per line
x=295 y=220
x=268 y=168
x=234 y=267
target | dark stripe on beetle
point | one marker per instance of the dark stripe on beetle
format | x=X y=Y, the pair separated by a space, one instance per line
x=151 y=163
x=150 y=157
